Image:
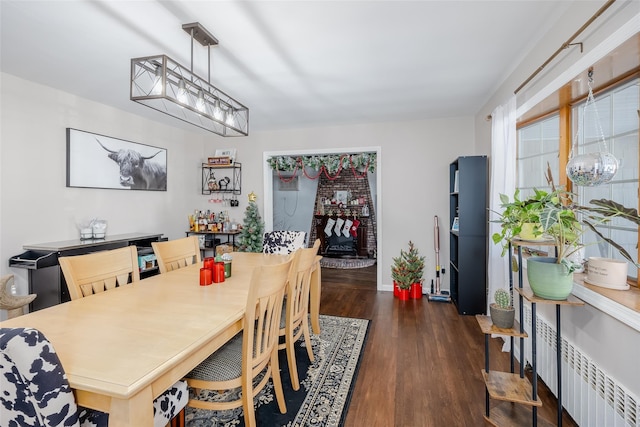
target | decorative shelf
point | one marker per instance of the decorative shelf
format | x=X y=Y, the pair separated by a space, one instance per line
x=527 y=293
x=509 y=414
x=510 y=387
x=487 y=327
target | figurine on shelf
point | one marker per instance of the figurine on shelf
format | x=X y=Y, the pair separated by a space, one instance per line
x=211 y=183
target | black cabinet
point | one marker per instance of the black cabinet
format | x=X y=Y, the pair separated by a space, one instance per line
x=468 y=242
x=45 y=277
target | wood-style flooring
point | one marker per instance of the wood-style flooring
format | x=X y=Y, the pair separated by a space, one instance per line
x=422 y=361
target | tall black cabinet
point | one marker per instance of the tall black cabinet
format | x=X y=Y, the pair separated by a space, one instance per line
x=469 y=226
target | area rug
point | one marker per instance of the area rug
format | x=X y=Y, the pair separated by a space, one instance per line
x=346 y=263
x=325 y=385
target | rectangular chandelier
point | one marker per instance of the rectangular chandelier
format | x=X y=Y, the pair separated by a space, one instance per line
x=161 y=83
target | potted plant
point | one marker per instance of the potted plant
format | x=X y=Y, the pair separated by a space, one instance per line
x=502 y=311
x=415 y=265
x=402 y=277
x=564 y=223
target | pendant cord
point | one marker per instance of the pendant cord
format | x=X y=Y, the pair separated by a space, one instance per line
x=602 y=143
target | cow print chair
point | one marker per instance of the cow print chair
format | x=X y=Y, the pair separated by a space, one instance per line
x=34 y=390
x=283 y=242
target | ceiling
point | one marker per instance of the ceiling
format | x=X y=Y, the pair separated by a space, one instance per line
x=293 y=63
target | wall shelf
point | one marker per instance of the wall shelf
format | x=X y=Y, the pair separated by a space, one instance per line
x=222 y=179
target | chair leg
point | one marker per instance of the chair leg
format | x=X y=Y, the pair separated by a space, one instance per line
x=277 y=382
x=247 y=401
x=178 y=420
x=307 y=338
x=291 y=360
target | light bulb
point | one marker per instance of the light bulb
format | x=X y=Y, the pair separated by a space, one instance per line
x=200 y=104
x=230 y=121
x=218 y=114
x=157 y=82
x=182 y=93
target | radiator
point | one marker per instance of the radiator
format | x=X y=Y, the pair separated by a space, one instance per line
x=589 y=394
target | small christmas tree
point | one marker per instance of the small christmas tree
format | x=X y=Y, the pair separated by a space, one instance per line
x=250 y=239
x=415 y=263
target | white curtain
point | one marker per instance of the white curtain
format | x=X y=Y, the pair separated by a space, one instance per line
x=503 y=181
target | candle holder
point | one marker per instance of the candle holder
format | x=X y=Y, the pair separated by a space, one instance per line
x=205 y=276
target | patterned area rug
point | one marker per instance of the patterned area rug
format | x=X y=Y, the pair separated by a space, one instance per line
x=346 y=263
x=325 y=386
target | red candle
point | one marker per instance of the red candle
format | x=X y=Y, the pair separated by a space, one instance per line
x=208 y=263
x=218 y=272
x=205 y=276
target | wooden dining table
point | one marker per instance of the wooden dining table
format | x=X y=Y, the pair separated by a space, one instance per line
x=123 y=348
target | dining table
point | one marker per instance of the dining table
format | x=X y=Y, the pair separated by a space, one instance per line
x=123 y=348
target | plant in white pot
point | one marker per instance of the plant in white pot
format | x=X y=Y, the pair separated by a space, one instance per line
x=564 y=223
x=502 y=311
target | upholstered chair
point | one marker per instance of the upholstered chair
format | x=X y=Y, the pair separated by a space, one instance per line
x=36 y=391
x=283 y=241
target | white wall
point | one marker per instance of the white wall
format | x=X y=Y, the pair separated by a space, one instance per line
x=414 y=162
x=613 y=345
x=37 y=207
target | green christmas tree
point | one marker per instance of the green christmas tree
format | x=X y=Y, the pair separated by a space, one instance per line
x=250 y=239
x=415 y=263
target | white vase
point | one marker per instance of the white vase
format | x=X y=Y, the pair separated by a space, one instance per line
x=607 y=273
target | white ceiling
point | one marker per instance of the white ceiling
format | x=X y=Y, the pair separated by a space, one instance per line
x=293 y=63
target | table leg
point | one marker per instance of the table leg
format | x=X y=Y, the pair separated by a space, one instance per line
x=134 y=412
x=559 y=364
x=314 y=299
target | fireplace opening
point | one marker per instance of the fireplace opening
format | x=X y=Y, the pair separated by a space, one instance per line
x=338 y=245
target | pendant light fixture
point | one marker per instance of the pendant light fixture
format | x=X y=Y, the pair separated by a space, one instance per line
x=590 y=169
x=161 y=83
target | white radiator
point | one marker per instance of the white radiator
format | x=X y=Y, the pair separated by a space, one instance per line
x=590 y=395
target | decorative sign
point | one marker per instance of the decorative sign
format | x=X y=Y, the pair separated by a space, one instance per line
x=220 y=161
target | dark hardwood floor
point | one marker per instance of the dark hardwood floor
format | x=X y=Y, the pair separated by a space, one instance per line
x=422 y=361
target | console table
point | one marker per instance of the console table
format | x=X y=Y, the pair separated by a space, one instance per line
x=45 y=277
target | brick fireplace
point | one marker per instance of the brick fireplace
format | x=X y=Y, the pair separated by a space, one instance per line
x=363 y=244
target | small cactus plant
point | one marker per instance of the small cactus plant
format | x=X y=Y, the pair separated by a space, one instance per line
x=502 y=298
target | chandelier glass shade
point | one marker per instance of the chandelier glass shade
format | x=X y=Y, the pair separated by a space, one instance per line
x=161 y=83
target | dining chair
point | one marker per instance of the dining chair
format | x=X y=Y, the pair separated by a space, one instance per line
x=100 y=271
x=36 y=391
x=178 y=253
x=282 y=241
x=252 y=352
x=294 y=321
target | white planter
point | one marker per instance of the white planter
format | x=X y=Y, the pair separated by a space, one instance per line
x=607 y=273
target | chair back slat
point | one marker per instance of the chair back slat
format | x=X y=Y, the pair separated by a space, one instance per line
x=174 y=254
x=99 y=271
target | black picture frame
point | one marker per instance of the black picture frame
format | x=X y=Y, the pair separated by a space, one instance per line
x=100 y=161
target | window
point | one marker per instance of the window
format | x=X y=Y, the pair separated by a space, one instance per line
x=617 y=110
x=618 y=113
x=538 y=143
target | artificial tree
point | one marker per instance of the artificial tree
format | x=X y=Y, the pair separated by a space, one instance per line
x=252 y=232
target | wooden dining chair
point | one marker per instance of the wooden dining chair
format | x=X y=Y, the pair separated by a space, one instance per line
x=294 y=321
x=178 y=253
x=36 y=391
x=249 y=353
x=100 y=271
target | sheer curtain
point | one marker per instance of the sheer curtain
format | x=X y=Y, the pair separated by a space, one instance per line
x=503 y=180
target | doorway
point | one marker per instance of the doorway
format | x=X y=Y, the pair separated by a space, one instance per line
x=293 y=201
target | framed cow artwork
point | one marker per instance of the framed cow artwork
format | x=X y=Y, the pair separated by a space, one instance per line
x=98 y=161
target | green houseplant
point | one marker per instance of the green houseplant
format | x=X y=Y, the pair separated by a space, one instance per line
x=502 y=311
x=563 y=223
